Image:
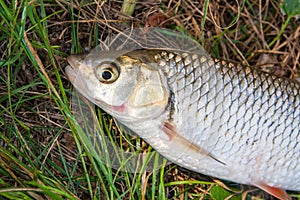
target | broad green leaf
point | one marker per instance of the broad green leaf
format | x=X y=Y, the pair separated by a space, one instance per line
x=219 y=193
x=290 y=7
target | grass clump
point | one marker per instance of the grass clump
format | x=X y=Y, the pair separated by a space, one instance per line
x=45 y=152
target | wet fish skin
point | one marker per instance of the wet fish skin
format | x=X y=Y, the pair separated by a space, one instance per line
x=220 y=119
x=245 y=117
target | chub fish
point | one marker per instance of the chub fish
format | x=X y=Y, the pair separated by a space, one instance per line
x=213 y=117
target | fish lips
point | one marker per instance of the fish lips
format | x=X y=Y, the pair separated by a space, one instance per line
x=72 y=69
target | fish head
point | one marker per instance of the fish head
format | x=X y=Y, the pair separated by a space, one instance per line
x=127 y=85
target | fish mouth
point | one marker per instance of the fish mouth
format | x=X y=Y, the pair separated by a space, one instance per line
x=72 y=70
x=73 y=73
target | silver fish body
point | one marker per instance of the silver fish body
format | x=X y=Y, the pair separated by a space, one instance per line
x=220 y=119
x=244 y=117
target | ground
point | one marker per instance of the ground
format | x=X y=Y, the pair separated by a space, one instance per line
x=43 y=154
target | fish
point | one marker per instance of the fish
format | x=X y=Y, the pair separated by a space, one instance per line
x=214 y=117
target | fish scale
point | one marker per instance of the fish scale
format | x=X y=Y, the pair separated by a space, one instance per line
x=241 y=109
x=214 y=117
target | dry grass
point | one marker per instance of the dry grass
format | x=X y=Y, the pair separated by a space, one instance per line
x=33 y=126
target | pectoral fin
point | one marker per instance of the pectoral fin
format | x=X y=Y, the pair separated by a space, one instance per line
x=276 y=192
x=171 y=131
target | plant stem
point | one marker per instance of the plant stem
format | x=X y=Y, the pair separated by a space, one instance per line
x=281 y=31
x=128 y=7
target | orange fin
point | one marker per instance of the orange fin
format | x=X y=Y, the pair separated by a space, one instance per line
x=276 y=192
x=171 y=131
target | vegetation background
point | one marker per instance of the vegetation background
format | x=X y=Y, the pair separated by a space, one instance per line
x=45 y=154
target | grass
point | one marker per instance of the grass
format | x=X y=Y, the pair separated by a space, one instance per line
x=45 y=152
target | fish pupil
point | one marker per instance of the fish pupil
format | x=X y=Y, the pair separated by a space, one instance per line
x=106 y=75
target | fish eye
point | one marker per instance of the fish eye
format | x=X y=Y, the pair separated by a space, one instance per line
x=107 y=72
